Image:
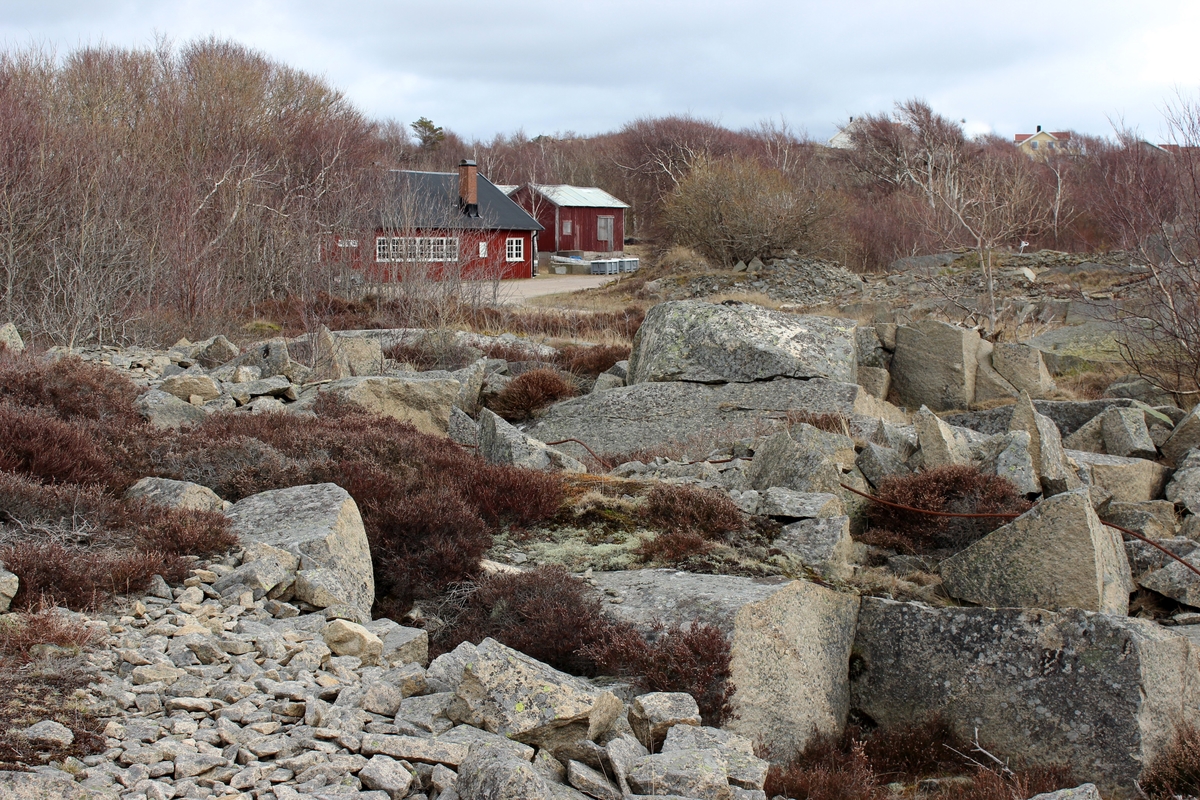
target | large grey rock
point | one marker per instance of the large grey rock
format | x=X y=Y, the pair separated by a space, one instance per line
x=794 y=644
x=1185 y=436
x=934 y=365
x=214 y=352
x=1045 y=447
x=823 y=545
x=1087 y=791
x=941 y=445
x=275 y=386
x=1154 y=519
x=1057 y=555
x=990 y=385
x=1125 y=434
x=695 y=416
x=41 y=786
x=508 y=693
x=1102 y=693
x=788 y=639
x=1176 y=581
x=789 y=504
x=652 y=715
x=699 y=774
x=1129 y=480
x=426 y=403
x=1090 y=437
x=743 y=767
x=270 y=357
x=182 y=495
x=501 y=443
x=876 y=380
x=805 y=466
x=690 y=340
x=187 y=384
x=163 y=410
x=1184 y=489
x=495 y=774
x=11 y=339
x=1145 y=558
x=1023 y=367
x=10 y=584
x=1007 y=455
x=877 y=462
x=335 y=357
x=319 y=523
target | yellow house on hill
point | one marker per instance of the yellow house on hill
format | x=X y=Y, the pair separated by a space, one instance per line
x=1042 y=143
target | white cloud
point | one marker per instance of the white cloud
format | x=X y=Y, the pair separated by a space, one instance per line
x=543 y=66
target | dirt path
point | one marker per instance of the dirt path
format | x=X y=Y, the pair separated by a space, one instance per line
x=518 y=291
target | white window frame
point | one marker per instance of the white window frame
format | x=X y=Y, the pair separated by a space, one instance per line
x=566 y=230
x=483 y=249
x=416 y=248
x=514 y=249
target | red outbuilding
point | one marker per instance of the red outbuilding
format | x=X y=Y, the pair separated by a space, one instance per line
x=453 y=225
x=575 y=217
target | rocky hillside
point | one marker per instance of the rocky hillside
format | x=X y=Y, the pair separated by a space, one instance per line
x=884 y=575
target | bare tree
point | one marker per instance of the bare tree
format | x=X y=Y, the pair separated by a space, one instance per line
x=735 y=209
x=1152 y=198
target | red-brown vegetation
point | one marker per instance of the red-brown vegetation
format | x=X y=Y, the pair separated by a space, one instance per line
x=679 y=508
x=545 y=613
x=531 y=392
x=1175 y=771
x=591 y=361
x=955 y=489
x=860 y=764
x=693 y=659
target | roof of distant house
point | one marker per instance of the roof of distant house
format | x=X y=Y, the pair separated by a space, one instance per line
x=508 y=188
x=577 y=196
x=1060 y=136
x=430 y=200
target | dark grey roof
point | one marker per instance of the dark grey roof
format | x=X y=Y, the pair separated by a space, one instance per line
x=430 y=200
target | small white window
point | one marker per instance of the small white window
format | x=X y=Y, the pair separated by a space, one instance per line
x=483 y=249
x=566 y=227
x=514 y=249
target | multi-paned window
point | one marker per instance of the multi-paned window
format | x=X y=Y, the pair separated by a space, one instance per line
x=416 y=248
x=514 y=249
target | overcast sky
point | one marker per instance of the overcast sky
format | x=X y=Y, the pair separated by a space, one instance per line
x=549 y=66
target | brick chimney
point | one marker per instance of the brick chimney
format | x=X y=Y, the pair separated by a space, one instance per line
x=468 y=187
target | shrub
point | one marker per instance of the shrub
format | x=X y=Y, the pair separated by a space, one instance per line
x=545 y=613
x=861 y=763
x=693 y=660
x=673 y=546
x=34 y=443
x=530 y=392
x=956 y=489
x=432 y=354
x=429 y=510
x=591 y=361
x=831 y=775
x=23 y=631
x=70 y=388
x=1175 y=771
x=82 y=577
x=185 y=532
x=679 y=508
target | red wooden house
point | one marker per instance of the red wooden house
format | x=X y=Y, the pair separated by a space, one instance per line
x=575 y=217
x=451 y=225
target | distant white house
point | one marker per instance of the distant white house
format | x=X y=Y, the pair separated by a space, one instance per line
x=844 y=138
